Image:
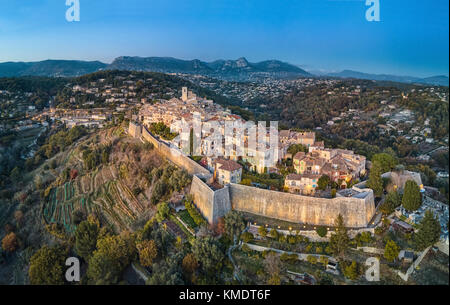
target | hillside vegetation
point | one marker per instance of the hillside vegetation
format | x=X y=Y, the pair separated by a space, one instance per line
x=106 y=175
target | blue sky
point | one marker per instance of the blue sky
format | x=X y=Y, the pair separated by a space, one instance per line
x=410 y=39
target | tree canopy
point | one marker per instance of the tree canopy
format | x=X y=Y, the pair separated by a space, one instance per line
x=386 y=161
x=86 y=239
x=375 y=182
x=412 y=199
x=47 y=266
x=392 y=201
x=323 y=182
x=113 y=254
x=429 y=231
x=391 y=251
x=207 y=251
x=234 y=224
x=339 y=240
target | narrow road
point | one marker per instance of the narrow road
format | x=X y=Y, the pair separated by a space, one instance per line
x=139 y=272
x=231 y=249
x=235 y=267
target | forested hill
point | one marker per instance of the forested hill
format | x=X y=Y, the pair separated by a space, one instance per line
x=54 y=68
x=157 y=83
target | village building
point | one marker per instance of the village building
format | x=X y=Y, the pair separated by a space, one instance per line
x=227 y=171
x=342 y=166
x=301 y=184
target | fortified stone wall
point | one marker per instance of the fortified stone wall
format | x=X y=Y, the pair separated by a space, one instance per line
x=356 y=212
x=148 y=137
x=203 y=197
x=173 y=155
x=222 y=203
x=212 y=204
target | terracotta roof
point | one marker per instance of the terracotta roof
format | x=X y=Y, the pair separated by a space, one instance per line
x=299 y=177
x=311 y=176
x=284 y=133
x=228 y=165
x=312 y=161
x=309 y=135
x=300 y=155
x=319 y=144
x=293 y=177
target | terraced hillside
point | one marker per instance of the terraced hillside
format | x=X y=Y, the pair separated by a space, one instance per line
x=119 y=190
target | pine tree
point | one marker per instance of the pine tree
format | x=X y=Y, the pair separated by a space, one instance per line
x=86 y=239
x=351 y=271
x=391 y=251
x=429 y=231
x=339 y=241
x=412 y=199
x=392 y=201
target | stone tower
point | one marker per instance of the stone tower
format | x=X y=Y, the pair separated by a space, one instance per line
x=184 y=94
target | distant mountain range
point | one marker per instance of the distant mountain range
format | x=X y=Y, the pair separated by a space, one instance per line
x=440 y=80
x=54 y=68
x=239 y=70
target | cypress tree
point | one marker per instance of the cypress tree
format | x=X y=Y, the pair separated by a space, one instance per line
x=375 y=182
x=412 y=199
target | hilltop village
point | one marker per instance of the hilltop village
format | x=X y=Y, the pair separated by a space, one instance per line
x=342 y=166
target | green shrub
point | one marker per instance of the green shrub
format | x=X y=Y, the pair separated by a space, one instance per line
x=245 y=248
x=366 y=237
x=308 y=248
x=262 y=231
x=195 y=214
x=311 y=259
x=247 y=237
x=322 y=231
x=274 y=234
x=284 y=257
x=323 y=260
x=379 y=230
x=352 y=271
x=292 y=240
x=333 y=193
